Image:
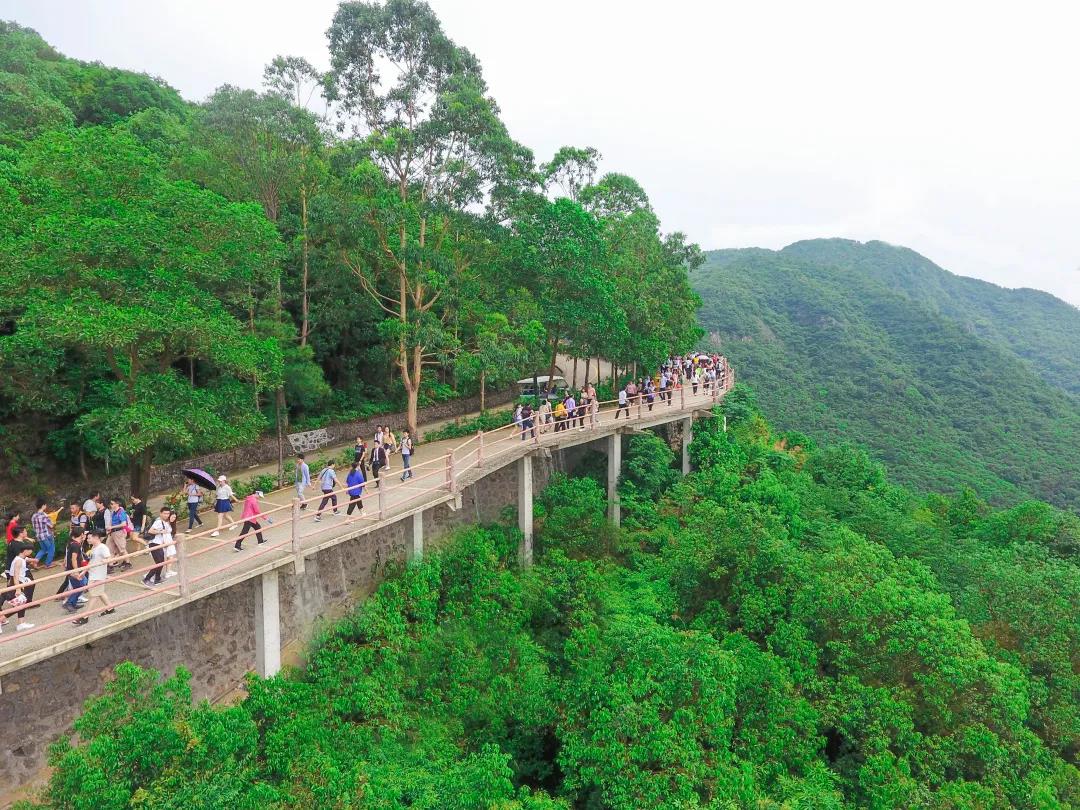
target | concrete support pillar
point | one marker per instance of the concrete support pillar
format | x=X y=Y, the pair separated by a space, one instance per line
x=525 y=510
x=687 y=437
x=417 y=552
x=267 y=626
x=614 y=467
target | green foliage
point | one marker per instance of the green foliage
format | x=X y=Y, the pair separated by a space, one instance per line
x=400 y=255
x=790 y=630
x=952 y=383
x=466 y=428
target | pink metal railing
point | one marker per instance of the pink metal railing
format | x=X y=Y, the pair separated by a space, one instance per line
x=444 y=476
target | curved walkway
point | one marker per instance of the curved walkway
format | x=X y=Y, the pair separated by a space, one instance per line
x=206 y=565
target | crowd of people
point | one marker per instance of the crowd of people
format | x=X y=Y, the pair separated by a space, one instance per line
x=573 y=409
x=103 y=534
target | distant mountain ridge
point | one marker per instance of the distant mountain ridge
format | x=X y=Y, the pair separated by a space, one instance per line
x=1037 y=326
x=954 y=382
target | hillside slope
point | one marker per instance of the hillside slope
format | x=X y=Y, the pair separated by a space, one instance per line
x=853 y=349
x=1035 y=325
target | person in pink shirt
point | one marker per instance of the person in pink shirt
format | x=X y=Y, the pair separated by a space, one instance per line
x=252 y=516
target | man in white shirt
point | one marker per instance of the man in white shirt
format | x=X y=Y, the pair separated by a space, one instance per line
x=160 y=537
x=97 y=572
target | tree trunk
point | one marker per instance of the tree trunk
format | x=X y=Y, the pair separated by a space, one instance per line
x=140 y=472
x=554 y=354
x=597 y=372
x=304 y=268
x=588 y=365
x=282 y=426
x=573 y=377
x=483 y=379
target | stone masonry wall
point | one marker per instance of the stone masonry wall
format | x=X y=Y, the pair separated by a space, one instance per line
x=214 y=637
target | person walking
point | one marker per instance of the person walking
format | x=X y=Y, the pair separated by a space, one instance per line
x=359 y=450
x=527 y=421
x=137 y=515
x=116 y=526
x=252 y=516
x=223 y=505
x=75 y=565
x=406 y=455
x=543 y=416
x=43 y=533
x=159 y=536
x=560 y=416
x=20 y=582
x=327 y=483
x=378 y=461
x=390 y=440
x=624 y=403
x=96 y=574
x=303 y=479
x=194 y=495
x=14 y=519
x=354 y=485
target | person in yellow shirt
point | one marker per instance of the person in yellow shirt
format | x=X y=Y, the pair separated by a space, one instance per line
x=560 y=416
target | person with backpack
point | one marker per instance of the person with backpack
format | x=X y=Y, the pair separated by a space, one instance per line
x=117 y=526
x=327 y=483
x=406 y=455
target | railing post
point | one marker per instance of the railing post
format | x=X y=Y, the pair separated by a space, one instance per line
x=639 y=397
x=682 y=394
x=297 y=550
x=450 y=472
x=382 y=499
x=182 y=578
x=479 y=447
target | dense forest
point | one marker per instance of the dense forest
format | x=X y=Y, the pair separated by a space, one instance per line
x=783 y=628
x=954 y=383
x=184 y=277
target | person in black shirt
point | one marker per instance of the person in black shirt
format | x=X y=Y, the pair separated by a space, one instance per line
x=74 y=563
x=378 y=461
x=137 y=514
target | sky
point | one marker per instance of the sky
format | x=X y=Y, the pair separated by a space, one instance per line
x=951 y=128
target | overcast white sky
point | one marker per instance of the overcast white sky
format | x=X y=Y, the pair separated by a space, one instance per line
x=949 y=127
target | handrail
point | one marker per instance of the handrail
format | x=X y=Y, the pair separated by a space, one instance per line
x=447 y=471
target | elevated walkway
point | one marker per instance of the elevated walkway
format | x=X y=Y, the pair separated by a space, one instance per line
x=205 y=565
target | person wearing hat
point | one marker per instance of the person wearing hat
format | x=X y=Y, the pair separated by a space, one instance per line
x=223 y=504
x=252 y=515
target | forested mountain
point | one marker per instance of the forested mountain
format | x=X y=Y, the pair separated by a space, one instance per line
x=944 y=377
x=783 y=628
x=1035 y=325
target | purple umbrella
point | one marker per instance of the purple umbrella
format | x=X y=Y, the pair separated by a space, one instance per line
x=202 y=477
